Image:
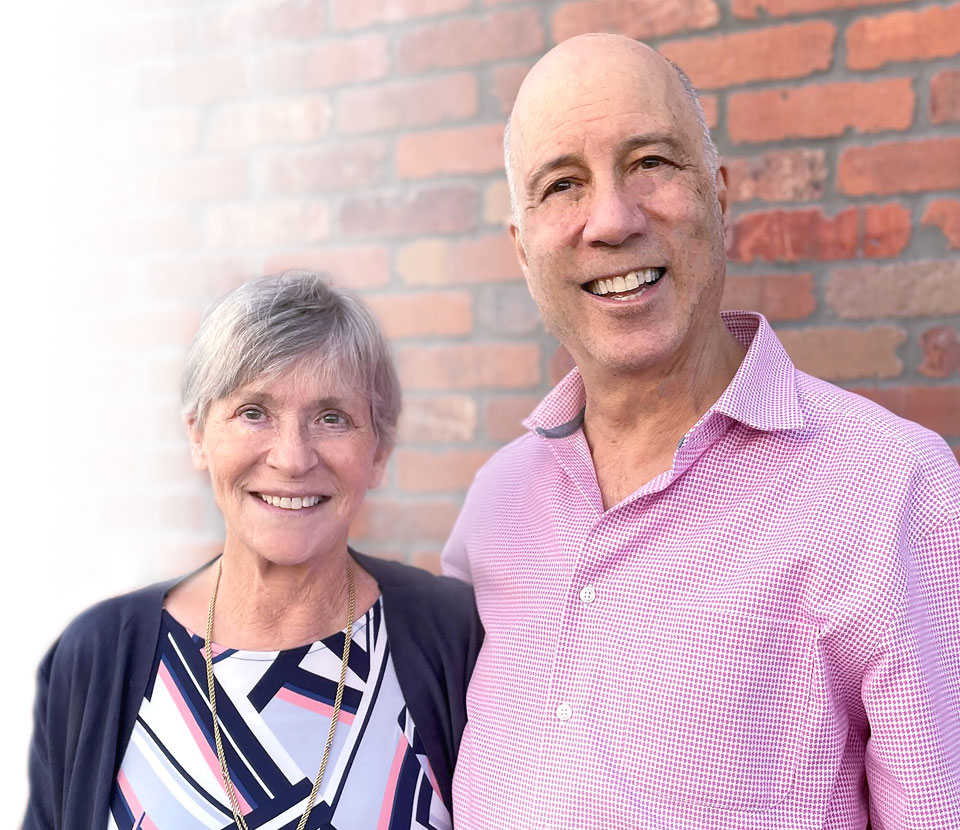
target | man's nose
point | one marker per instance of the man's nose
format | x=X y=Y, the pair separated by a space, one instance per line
x=292 y=452
x=614 y=216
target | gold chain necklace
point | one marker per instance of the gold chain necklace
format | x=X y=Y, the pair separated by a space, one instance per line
x=344 y=661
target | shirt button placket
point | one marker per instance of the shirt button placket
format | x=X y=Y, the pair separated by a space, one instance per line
x=564 y=711
x=588 y=594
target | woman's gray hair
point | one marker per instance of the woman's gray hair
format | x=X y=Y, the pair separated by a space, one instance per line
x=271 y=324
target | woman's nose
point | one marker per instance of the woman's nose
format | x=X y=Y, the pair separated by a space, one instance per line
x=292 y=452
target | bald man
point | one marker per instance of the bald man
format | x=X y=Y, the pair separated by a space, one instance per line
x=718 y=593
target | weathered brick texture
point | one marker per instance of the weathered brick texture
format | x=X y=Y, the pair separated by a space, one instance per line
x=364 y=139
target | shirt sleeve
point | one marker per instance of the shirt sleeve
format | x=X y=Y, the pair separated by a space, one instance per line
x=911 y=693
x=40 y=801
x=456 y=560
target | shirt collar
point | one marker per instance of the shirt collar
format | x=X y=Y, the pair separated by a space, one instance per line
x=762 y=394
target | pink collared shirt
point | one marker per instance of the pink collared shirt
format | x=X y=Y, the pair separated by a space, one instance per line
x=765 y=636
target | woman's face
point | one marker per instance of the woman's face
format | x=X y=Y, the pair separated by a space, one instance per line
x=290 y=459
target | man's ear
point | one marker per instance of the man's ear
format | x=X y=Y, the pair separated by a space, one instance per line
x=722 y=191
x=518 y=245
x=195 y=436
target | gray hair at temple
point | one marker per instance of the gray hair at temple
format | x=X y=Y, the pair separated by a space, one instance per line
x=710 y=154
x=272 y=324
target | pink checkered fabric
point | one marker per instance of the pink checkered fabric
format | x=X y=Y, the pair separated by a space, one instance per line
x=765 y=636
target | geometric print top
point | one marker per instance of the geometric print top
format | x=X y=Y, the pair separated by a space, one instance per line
x=766 y=636
x=274 y=710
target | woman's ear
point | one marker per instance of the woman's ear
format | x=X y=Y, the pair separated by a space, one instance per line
x=195 y=436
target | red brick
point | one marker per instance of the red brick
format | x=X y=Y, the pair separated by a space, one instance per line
x=776 y=296
x=470 y=366
x=490 y=258
x=402 y=104
x=945 y=97
x=431 y=561
x=496 y=204
x=820 y=110
x=279 y=121
x=780 y=176
x=431 y=210
x=190 y=278
x=711 y=110
x=633 y=18
x=846 y=354
x=200 y=180
x=261 y=21
x=759 y=9
x=908 y=35
x=260 y=224
x=192 y=81
x=886 y=230
x=506 y=84
x=341 y=166
x=495 y=37
x=413 y=522
x=777 y=53
x=900 y=167
x=449 y=152
x=507 y=310
x=349 y=14
x=935 y=407
x=561 y=363
x=790 y=236
x=437 y=419
x=502 y=416
x=424 y=314
x=352 y=266
x=945 y=214
x=941 y=352
x=912 y=289
x=420 y=471
x=330 y=63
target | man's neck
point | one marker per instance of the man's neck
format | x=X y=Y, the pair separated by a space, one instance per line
x=634 y=420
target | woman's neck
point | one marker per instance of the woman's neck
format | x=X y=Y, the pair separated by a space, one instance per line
x=262 y=606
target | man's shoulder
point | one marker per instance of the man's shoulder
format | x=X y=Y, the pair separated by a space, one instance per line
x=871 y=431
x=438 y=591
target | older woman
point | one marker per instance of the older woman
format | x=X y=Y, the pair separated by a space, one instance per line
x=292 y=683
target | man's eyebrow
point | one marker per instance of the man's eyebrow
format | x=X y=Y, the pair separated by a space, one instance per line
x=634 y=142
x=566 y=160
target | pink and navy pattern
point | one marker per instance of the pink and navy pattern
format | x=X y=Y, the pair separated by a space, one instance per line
x=275 y=708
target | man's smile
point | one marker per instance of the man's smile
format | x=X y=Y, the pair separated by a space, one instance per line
x=631 y=284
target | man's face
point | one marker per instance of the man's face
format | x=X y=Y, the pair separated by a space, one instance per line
x=620 y=220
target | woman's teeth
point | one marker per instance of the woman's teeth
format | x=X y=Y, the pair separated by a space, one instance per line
x=295 y=503
x=628 y=282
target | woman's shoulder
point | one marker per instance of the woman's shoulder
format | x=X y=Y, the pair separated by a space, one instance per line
x=104 y=627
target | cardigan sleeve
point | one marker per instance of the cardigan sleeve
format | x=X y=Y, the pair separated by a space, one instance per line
x=40 y=800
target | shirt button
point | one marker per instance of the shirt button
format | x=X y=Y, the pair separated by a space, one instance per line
x=588 y=594
x=564 y=711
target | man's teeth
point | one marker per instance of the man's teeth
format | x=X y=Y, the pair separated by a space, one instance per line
x=628 y=282
x=295 y=503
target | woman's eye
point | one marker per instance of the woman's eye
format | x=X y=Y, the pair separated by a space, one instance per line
x=332 y=418
x=250 y=415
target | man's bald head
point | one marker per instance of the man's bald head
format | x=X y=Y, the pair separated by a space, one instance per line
x=592 y=59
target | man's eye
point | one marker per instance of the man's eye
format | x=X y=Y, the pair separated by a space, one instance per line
x=650 y=162
x=558 y=187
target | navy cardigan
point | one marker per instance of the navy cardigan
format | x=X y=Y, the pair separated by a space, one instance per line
x=92 y=681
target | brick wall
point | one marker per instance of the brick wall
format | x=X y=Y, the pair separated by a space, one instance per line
x=219 y=139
